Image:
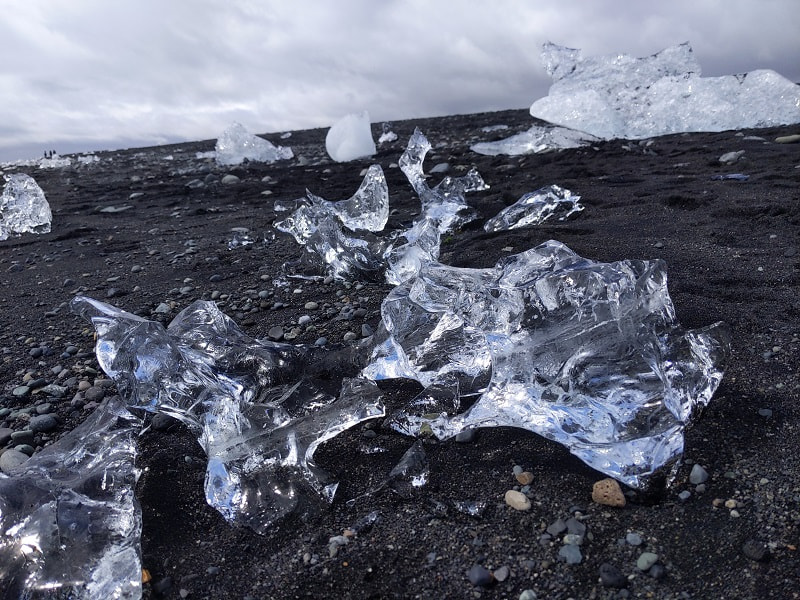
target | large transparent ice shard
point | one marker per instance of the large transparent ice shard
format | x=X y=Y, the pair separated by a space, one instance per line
x=444 y=203
x=368 y=208
x=535 y=208
x=535 y=141
x=625 y=97
x=69 y=522
x=253 y=405
x=588 y=354
x=236 y=145
x=23 y=207
x=422 y=247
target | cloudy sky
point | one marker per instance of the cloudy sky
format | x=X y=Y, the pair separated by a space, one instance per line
x=95 y=74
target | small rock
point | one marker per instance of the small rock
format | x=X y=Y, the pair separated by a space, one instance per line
x=788 y=139
x=634 y=539
x=502 y=573
x=5 y=435
x=230 y=180
x=557 y=528
x=275 y=333
x=684 y=495
x=608 y=493
x=525 y=478
x=479 y=575
x=466 y=436
x=94 y=394
x=11 y=459
x=657 y=571
x=731 y=157
x=527 y=595
x=646 y=560
x=570 y=553
x=21 y=391
x=611 y=576
x=349 y=336
x=698 y=475
x=311 y=306
x=517 y=500
x=755 y=550
x=43 y=423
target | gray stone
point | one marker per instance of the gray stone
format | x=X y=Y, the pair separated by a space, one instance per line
x=698 y=475
x=230 y=179
x=43 y=423
x=94 y=394
x=646 y=560
x=55 y=391
x=275 y=333
x=11 y=459
x=611 y=576
x=634 y=539
x=24 y=436
x=502 y=573
x=44 y=408
x=527 y=595
x=755 y=550
x=21 y=391
x=571 y=554
x=479 y=575
x=5 y=436
x=26 y=449
x=557 y=527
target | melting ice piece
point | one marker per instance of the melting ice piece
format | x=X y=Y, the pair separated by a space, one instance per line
x=69 y=521
x=444 y=203
x=236 y=144
x=584 y=353
x=422 y=247
x=254 y=406
x=535 y=208
x=23 y=207
x=350 y=138
x=368 y=208
x=625 y=97
x=413 y=468
x=54 y=162
x=387 y=134
x=535 y=141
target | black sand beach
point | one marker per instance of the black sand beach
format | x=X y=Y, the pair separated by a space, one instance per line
x=127 y=230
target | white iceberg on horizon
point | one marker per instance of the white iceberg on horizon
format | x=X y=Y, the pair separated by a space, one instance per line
x=350 y=138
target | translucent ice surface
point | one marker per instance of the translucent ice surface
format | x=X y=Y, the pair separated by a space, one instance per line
x=69 y=522
x=625 y=97
x=535 y=208
x=23 y=207
x=350 y=138
x=236 y=144
x=254 y=405
x=584 y=353
x=535 y=141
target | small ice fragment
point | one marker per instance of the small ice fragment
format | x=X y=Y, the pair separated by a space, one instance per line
x=473 y=508
x=241 y=237
x=236 y=145
x=69 y=520
x=731 y=157
x=23 y=207
x=731 y=176
x=88 y=159
x=387 y=134
x=536 y=140
x=535 y=208
x=54 y=162
x=632 y=98
x=493 y=128
x=350 y=138
x=413 y=468
x=253 y=404
x=584 y=353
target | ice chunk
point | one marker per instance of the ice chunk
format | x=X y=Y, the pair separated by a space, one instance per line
x=69 y=521
x=535 y=141
x=584 y=353
x=236 y=144
x=445 y=203
x=625 y=97
x=422 y=247
x=254 y=405
x=535 y=208
x=54 y=162
x=23 y=207
x=350 y=138
x=387 y=134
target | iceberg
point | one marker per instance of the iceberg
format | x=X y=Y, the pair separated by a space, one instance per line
x=584 y=353
x=23 y=207
x=70 y=524
x=236 y=145
x=350 y=138
x=255 y=405
x=536 y=140
x=535 y=208
x=632 y=98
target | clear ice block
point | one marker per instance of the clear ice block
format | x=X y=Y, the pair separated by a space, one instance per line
x=236 y=145
x=632 y=98
x=70 y=524
x=535 y=208
x=254 y=405
x=23 y=207
x=584 y=353
x=536 y=141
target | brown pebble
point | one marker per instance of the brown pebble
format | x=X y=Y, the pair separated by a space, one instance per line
x=608 y=493
x=517 y=500
x=525 y=478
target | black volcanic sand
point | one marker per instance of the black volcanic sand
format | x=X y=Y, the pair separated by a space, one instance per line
x=731 y=251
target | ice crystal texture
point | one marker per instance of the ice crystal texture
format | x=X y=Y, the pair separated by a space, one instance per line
x=350 y=138
x=23 y=207
x=632 y=98
x=254 y=405
x=584 y=353
x=536 y=140
x=69 y=522
x=535 y=208
x=236 y=145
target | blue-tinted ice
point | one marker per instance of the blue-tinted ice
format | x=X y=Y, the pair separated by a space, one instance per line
x=253 y=405
x=69 y=522
x=584 y=353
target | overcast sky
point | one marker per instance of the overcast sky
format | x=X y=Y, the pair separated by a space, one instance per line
x=100 y=74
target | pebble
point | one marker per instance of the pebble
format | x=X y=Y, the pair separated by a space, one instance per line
x=479 y=575
x=608 y=493
x=5 y=435
x=657 y=571
x=11 y=459
x=731 y=157
x=94 y=393
x=527 y=595
x=634 y=539
x=21 y=391
x=230 y=179
x=440 y=168
x=524 y=478
x=466 y=436
x=755 y=550
x=43 y=423
x=611 y=576
x=349 y=336
x=366 y=330
x=304 y=320
x=765 y=412
x=684 y=495
x=646 y=560
x=23 y=436
x=502 y=574
x=275 y=333
x=321 y=341
x=788 y=139
x=517 y=500
x=25 y=449
x=698 y=475
x=311 y=306
x=571 y=554
x=557 y=528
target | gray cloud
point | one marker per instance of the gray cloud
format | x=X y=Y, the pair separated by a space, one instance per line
x=91 y=73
